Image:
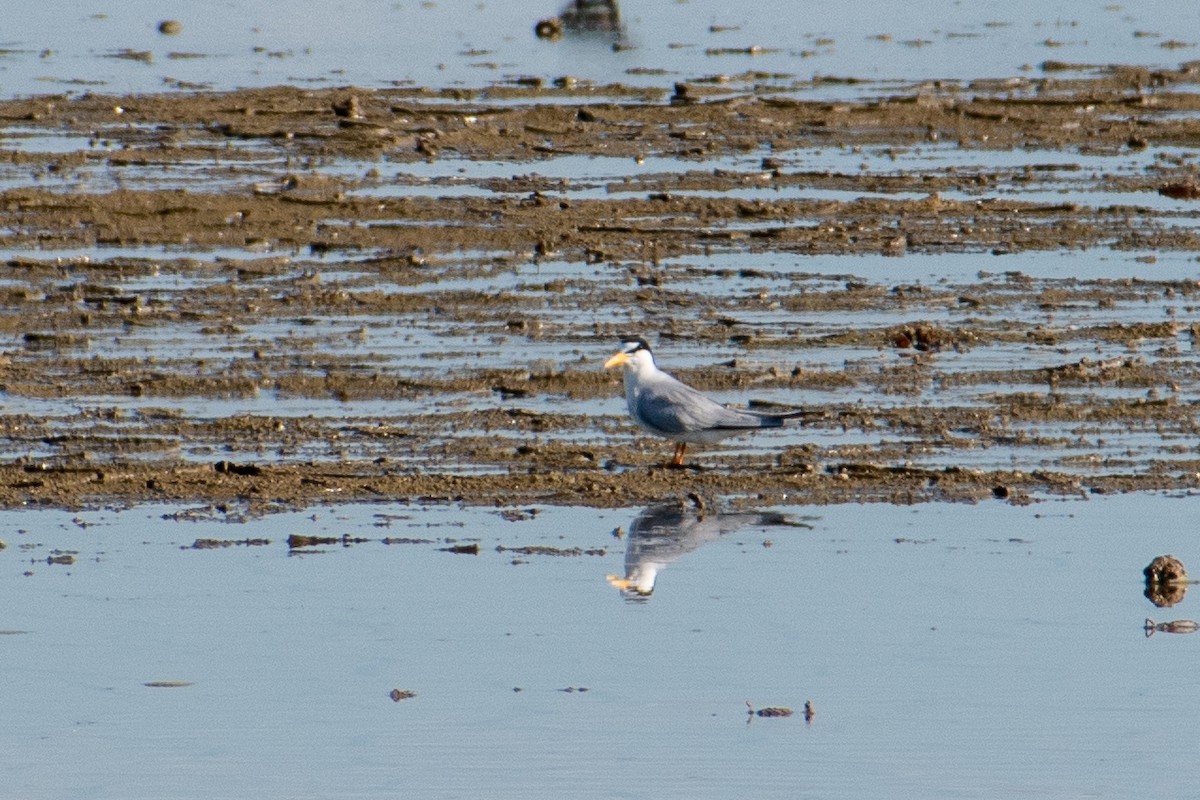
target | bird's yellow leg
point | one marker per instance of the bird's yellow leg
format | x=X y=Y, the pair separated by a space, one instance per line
x=680 y=449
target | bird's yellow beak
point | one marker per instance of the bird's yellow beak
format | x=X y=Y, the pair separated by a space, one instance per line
x=618 y=583
x=617 y=360
x=626 y=585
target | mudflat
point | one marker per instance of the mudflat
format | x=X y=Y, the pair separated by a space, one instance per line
x=278 y=297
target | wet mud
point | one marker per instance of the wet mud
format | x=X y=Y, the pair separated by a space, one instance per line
x=267 y=299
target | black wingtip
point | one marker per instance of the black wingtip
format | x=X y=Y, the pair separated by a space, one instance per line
x=769 y=420
x=779 y=420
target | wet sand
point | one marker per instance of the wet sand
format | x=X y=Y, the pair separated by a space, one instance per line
x=317 y=193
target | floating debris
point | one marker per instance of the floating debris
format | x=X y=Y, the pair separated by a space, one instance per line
x=216 y=544
x=400 y=694
x=774 y=711
x=546 y=550
x=145 y=56
x=170 y=27
x=167 y=684
x=297 y=540
x=1165 y=569
x=1174 y=626
x=752 y=50
x=462 y=549
x=549 y=28
x=517 y=514
x=1166 y=581
x=770 y=711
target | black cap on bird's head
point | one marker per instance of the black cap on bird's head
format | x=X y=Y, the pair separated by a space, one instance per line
x=629 y=346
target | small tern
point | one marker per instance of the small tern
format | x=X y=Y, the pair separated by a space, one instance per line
x=673 y=410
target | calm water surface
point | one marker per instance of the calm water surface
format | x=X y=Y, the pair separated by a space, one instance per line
x=957 y=651
x=114 y=46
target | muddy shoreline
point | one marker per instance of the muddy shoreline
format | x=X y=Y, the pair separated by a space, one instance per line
x=394 y=264
x=249 y=489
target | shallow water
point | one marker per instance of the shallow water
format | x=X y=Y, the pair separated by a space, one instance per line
x=116 y=47
x=985 y=651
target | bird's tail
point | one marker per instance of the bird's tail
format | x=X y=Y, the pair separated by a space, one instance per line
x=776 y=419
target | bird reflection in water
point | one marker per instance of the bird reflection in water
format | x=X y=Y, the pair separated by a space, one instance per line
x=592 y=16
x=583 y=17
x=663 y=533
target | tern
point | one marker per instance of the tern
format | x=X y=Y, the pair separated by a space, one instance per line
x=673 y=410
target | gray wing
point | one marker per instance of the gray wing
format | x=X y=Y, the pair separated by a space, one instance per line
x=674 y=407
